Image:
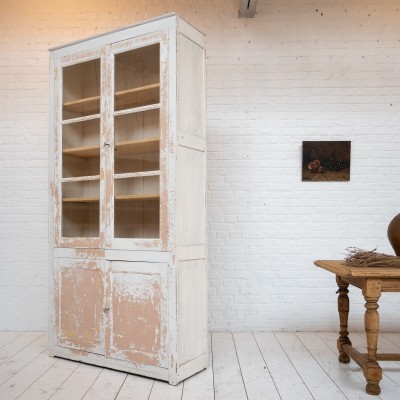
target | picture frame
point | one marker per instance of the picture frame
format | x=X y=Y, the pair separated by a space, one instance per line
x=326 y=161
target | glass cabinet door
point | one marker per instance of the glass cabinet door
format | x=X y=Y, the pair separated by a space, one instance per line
x=111 y=125
x=80 y=155
x=136 y=157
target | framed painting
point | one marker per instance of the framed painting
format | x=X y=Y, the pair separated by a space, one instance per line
x=326 y=161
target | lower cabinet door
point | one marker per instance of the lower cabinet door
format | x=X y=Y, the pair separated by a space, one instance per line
x=79 y=312
x=137 y=318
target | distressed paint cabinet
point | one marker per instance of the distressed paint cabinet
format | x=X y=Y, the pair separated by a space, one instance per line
x=128 y=200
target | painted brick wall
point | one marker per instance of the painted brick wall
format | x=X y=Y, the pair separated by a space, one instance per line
x=300 y=70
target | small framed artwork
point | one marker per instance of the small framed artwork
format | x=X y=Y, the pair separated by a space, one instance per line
x=326 y=161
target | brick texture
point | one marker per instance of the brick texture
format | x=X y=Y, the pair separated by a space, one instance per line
x=300 y=70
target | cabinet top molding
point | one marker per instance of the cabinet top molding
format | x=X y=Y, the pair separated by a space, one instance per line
x=161 y=18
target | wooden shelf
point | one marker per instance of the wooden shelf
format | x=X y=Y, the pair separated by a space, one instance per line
x=80 y=119
x=80 y=200
x=81 y=178
x=122 y=148
x=125 y=197
x=137 y=146
x=89 y=104
x=83 y=152
x=135 y=110
x=135 y=97
x=142 y=174
x=137 y=197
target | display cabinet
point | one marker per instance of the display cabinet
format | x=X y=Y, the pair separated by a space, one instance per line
x=128 y=200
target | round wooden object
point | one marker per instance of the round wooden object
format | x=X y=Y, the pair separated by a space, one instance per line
x=393 y=233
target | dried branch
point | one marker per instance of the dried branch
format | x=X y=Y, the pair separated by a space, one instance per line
x=363 y=258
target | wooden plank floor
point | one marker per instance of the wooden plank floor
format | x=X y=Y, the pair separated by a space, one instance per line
x=245 y=365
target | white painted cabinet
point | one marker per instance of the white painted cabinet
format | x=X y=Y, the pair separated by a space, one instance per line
x=128 y=200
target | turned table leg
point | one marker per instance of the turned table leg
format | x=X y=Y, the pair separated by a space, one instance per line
x=343 y=308
x=372 y=371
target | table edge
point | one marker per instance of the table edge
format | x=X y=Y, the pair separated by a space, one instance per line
x=339 y=267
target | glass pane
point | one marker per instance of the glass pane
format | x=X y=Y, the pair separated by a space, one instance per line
x=81 y=149
x=81 y=89
x=137 y=78
x=137 y=207
x=137 y=126
x=137 y=142
x=80 y=209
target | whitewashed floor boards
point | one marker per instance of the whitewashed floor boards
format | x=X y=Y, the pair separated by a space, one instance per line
x=245 y=365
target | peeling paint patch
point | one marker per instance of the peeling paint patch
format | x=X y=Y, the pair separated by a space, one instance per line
x=138 y=296
x=80 y=306
x=78 y=352
x=96 y=254
x=140 y=358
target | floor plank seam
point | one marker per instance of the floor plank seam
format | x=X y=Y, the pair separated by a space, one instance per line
x=291 y=362
x=18 y=351
x=240 y=367
x=12 y=340
x=321 y=366
x=97 y=377
x=30 y=362
x=335 y=352
x=352 y=366
x=151 y=390
x=212 y=362
x=266 y=365
x=65 y=380
x=391 y=341
x=248 y=365
x=183 y=389
x=43 y=351
x=116 y=396
x=36 y=378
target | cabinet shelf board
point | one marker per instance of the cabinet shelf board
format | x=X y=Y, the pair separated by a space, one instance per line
x=122 y=148
x=80 y=200
x=80 y=119
x=130 y=97
x=137 y=97
x=138 y=89
x=128 y=175
x=134 y=110
x=83 y=152
x=81 y=178
x=137 y=197
x=125 y=197
x=89 y=104
x=137 y=146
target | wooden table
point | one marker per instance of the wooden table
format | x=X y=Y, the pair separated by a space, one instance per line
x=372 y=281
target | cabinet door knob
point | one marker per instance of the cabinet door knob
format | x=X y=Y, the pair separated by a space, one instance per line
x=106 y=144
x=106 y=309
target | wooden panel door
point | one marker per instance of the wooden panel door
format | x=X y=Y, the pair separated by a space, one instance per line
x=79 y=304
x=137 y=323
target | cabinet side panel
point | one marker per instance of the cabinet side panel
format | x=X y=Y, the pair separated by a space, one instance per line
x=192 y=310
x=190 y=82
x=191 y=197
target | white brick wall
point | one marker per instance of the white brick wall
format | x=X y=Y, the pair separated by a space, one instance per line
x=300 y=70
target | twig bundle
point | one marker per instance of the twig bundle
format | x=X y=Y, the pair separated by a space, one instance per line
x=364 y=258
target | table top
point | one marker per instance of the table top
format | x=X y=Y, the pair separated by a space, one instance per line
x=339 y=267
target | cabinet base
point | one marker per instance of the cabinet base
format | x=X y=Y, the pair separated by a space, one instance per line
x=188 y=369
